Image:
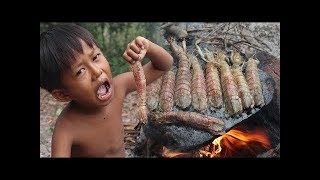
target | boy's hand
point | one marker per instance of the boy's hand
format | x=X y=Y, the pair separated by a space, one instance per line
x=136 y=50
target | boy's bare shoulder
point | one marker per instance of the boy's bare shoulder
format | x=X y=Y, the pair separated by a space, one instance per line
x=125 y=82
x=63 y=136
x=64 y=123
x=123 y=78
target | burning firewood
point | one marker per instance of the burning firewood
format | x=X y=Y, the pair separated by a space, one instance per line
x=237 y=143
x=167 y=153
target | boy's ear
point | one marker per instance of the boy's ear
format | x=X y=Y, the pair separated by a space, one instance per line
x=61 y=95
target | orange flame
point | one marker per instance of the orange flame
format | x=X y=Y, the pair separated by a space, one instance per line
x=171 y=154
x=236 y=143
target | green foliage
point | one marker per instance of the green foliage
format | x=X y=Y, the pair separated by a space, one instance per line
x=51 y=129
x=112 y=38
x=58 y=111
x=46 y=26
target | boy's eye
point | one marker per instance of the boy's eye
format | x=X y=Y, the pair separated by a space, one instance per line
x=95 y=57
x=80 y=71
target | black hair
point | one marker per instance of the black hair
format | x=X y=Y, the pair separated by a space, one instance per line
x=58 y=49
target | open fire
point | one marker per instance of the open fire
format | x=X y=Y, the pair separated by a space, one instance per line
x=235 y=143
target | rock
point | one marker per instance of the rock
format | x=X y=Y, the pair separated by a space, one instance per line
x=272 y=153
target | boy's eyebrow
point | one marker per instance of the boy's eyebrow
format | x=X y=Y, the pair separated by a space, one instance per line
x=76 y=65
x=90 y=55
x=92 y=51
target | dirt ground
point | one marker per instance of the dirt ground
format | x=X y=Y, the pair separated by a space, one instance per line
x=49 y=108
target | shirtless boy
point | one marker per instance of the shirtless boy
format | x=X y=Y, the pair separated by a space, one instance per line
x=73 y=69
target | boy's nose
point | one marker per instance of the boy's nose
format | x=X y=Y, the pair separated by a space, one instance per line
x=96 y=73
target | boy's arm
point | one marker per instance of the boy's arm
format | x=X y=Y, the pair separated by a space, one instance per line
x=61 y=144
x=160 y=62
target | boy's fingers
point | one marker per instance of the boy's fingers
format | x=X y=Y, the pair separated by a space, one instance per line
x=140 y=41
x=128 y=58
x=133 y=55
x=135 y=48
x=143 y=52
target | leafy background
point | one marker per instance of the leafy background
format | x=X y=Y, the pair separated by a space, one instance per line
x=113 y=37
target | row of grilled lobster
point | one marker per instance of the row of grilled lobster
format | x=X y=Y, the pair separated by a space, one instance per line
x=221 y=84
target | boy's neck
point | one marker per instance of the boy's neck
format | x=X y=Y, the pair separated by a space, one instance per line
x=86 y=109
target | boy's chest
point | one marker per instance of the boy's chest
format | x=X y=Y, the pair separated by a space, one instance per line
x=103 y=136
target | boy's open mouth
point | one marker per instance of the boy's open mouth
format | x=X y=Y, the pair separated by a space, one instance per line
x=104 y=91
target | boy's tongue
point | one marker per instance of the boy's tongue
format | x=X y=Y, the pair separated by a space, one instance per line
x=102 y=91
